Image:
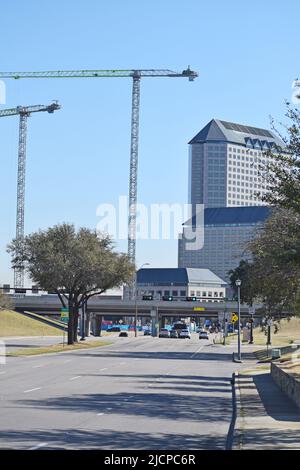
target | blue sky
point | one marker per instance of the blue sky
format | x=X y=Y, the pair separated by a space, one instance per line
x=246 y=55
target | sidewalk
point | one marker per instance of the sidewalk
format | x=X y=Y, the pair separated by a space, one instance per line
x=266 y=418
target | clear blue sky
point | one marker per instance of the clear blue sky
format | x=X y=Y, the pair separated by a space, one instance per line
x=246 y=54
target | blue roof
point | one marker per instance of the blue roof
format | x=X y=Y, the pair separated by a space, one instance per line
x=177 y=276
x=233 y=215
x=164 y=275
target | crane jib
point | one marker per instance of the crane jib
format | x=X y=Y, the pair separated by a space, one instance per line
x=136 y=75
x=100 y=74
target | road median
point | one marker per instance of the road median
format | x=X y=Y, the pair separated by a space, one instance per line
x=57 y=348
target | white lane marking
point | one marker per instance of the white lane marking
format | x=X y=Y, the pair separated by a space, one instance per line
x=43 y=444
x=37 y=367
x=66 y=361
x=4 y=372
x=104 y=368
x=198 y=350
x=100 y=414
x=122 y=363
x=32 y=389
x=76 y=377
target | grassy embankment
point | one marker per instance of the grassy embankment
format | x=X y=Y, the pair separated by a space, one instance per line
x=289 y=331
x=15 y=324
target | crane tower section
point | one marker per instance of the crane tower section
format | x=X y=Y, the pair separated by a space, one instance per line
x=24 y=112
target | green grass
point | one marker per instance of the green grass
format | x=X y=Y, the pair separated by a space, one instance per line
x=289 y=331
x=257 y=368
x=16 y=324
x=57 y=348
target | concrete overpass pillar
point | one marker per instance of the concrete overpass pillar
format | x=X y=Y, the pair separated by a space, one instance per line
x=97 y=325
x=87 y=325
x=154 y=318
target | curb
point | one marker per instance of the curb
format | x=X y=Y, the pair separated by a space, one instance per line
x=230 y=436
x=238 y=438
x=234 y=439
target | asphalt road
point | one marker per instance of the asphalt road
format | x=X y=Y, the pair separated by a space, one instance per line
x=139 y=393
x=19 y=342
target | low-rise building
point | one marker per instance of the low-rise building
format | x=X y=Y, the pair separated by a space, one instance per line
x=180 y=283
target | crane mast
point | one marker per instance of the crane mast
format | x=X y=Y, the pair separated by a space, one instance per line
x=24 y=113
x=136 y=76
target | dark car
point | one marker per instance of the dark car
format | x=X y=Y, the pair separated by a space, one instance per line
x=123 y=334
x=147 y=333
x=114 y=329
x=174 y=334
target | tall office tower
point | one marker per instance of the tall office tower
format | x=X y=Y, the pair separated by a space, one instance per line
x=223 y=164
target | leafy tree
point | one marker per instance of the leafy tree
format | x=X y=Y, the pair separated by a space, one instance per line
x=248 y=288
x=4 y=301
x=75 y=265
x=273 y=274
x=282 y=168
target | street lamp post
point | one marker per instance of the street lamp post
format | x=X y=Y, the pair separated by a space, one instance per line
x=251 y=331
x=238 y=283
x=136 y=294
x=83 y=309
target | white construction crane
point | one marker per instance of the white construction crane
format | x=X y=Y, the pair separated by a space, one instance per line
x=136 y=76
x=24 y=112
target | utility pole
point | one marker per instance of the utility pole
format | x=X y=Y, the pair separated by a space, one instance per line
x=238 y=284
x=24 y=112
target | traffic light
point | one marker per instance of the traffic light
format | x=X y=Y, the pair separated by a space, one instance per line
x=167 y=297
x=147 y=297
x=191 y=299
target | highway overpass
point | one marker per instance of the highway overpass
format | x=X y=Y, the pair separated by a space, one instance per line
x=99 y=305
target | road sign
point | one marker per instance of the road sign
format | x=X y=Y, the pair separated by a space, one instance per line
x=234 y=317
x=64 y=315
x=199 y=309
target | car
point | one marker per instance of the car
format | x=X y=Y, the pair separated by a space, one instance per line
x=113 y=329
x=173 y=334
x=185 y=334
x=123 y=334
x=147 y=332
x=164 y=333
x=203 y=335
